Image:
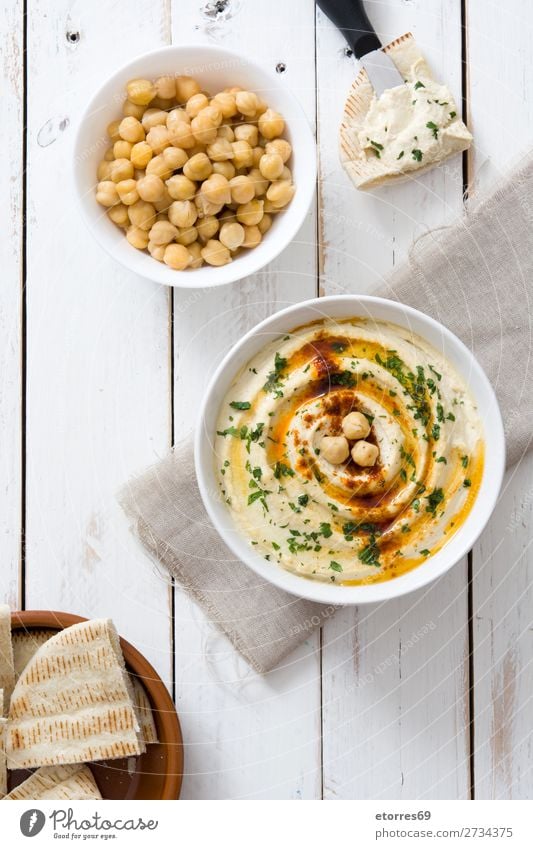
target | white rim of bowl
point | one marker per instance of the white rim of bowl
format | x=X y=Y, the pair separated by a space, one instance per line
x=370 y=593
x=226 y=274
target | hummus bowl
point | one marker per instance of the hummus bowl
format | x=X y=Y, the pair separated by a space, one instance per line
x=341 y=449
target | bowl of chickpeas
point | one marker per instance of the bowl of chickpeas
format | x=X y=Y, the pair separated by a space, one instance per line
x=194 y=167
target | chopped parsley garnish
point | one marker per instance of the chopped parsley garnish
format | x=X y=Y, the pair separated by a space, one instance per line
x=464 y=461
x=303 y=500
x=453 y=114
x=369 y=555
x=335 y=566
x=416 y=505
x=426 y=552
x=434 y=129
x=248 y=435
x=434 y=499
x=435 y=432
x=282 y=470
x=325 y=529
x=418 y=84
x=240 y=405
x=414 y=385
x=273 y=380
x=401 y=154
x=377 y=148
x=338 y=346
x=467 y=482
x=417 y=154
x=442 y=460
x=343 y=378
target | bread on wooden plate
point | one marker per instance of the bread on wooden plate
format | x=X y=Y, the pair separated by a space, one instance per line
x=74 y=701
x=58 y=782
x=363 y=164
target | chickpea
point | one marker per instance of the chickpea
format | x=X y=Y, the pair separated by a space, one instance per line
x=335 y=449
x=355 y=426
x=131 y=129
x=271 y=124
x=215 y=253
x=265 y=224
x=280 y=193
x=159 y=166
x=226 y=103
x=132 y=110
x=121 y=169
x=106 y=193
x=151 y=188
x=176 y=257
x=252 y=237
x=205 y=206
x=122 y=149
x=247 y=103
x=181 y=188
x=271 y=166
x=174 y=157
x=186 y=87
x=286 y=174
x=165 y=87
x=163 y=103
x=247 y=133
x=140 y=155
x=220 y=150
x=280 y=146
x=119 y=214
x=365 y=453
x=259 y=182
x=137 y=237
x=187 y=236
x=156 y=251
x=109 y=155
x=205 y=126
x=207 y=227
x=225 y=132
x=103 y=172
x=261 y=107
x=195 y=104
x=216 y=189
x=153 y=118
x=225 y=168
x=158 y=138
x=198 y=167
x=242 y=189
x=179 y=132
x=163 y=232
x=243 y=154
x=142 y=214
x=112 y=130
x=140 y=92
x=127 y=192
x=165 y=203
x=250 y=213
x=232 y=235
x=257 y=153
x=182 y=213
x=195 y=251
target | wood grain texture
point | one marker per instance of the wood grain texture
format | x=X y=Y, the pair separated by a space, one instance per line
x=98 y=348
x=501 y=113
x=11 y=259
x=395 y=676
x=245 y=735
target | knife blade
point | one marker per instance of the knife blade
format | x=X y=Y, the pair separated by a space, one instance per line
x=381 y=70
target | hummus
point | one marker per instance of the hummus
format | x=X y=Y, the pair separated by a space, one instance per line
x=346 y=523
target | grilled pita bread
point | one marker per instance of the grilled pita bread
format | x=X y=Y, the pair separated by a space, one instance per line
x=26 y=643
x=7 y=669
x=3 y=770
x=58 y=782
x=144 y=711
x=367 y=172
x=74 y=701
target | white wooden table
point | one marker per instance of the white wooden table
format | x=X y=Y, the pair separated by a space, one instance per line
x=426 y=697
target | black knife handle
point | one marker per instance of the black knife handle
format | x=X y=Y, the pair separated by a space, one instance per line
x=350 y=17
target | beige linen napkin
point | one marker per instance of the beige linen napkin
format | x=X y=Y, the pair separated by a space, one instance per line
x=476 y=278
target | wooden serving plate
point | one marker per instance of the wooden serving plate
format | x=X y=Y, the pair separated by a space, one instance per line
x=158 y=773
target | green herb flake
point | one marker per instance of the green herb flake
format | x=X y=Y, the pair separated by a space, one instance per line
x=401 y=154
x=282 y=470
x=467 y=482
x=325 y=529
x=335 y=566
x=417 y=154
x=434 y=499
x=418 y=85
x=303 y=500
x=426 y=552
x=464 y=461
x=240 y=405
x=434 y=129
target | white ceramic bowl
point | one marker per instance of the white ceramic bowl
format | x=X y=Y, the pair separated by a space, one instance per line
x=345 y=306
x=215 y=68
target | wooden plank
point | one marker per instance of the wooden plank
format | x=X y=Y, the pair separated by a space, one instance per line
x=11 y=180
x=395 y=682
x=500 y=70
x=98 y=348
x=245 y=735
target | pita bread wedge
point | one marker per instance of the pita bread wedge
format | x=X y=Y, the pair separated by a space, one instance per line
x=74 y=782
x=3 y=768
x=364 y=158
x=25 y=644
x=7 y=669
x=144 y=712
x=73 y=702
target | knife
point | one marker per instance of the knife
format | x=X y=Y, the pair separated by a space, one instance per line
x=351 y=19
